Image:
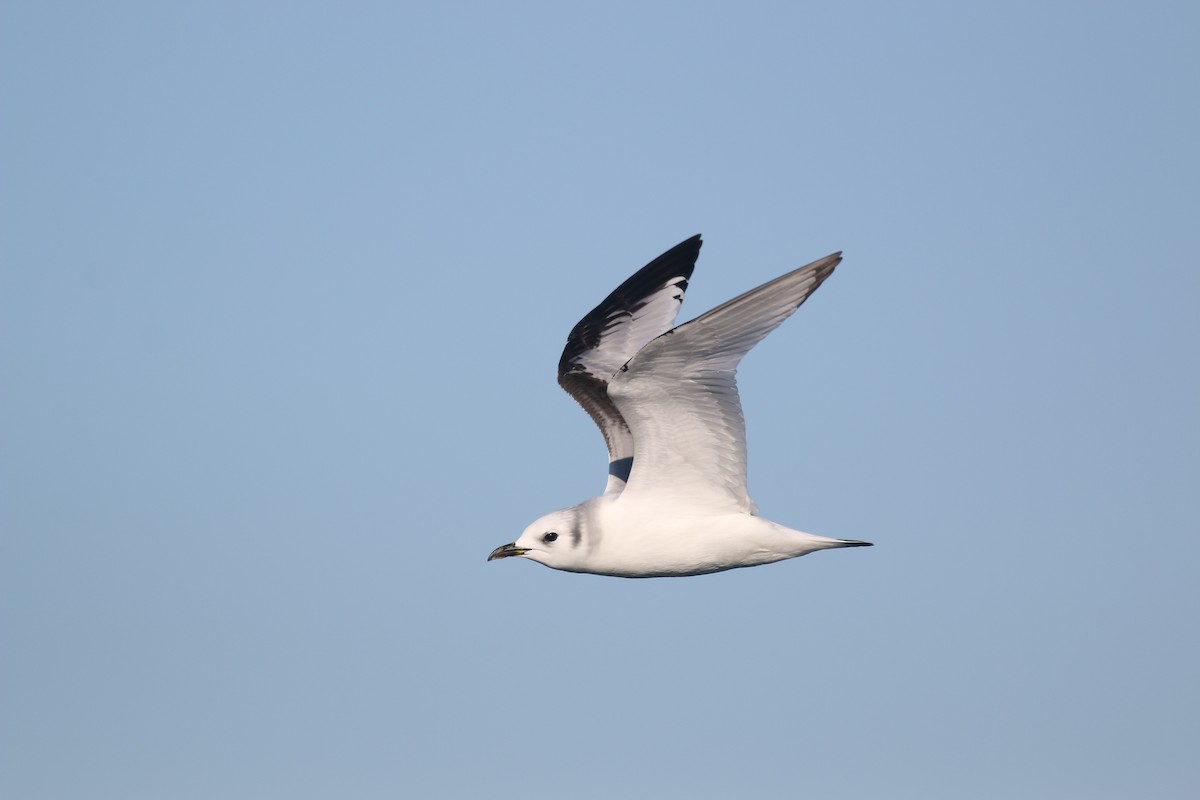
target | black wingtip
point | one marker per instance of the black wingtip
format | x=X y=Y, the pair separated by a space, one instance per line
x=678 y=262
x=686 y=251
x=683 y=255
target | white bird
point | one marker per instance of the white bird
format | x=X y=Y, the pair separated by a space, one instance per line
x=666 y=401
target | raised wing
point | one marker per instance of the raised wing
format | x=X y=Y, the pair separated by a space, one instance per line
x=679 y=396
x=637 y=311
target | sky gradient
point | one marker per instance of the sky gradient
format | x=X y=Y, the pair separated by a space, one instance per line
x=282 y=292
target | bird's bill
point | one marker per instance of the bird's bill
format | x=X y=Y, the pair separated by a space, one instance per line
x=506 y=550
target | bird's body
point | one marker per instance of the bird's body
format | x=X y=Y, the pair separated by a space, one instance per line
x=637 y=540
x=666 y=401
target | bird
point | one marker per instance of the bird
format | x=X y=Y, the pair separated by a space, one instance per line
x=665 y=399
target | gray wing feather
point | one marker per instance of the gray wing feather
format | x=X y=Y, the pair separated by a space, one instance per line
x=679 y=395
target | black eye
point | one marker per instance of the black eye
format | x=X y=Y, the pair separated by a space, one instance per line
x=550 y=537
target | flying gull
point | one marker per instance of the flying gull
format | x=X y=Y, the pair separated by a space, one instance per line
x=665 y=398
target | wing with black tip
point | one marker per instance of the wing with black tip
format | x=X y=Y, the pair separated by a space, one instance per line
x=638 y=311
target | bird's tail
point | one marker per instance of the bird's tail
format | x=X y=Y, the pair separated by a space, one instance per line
x=852 y=543
x=813 y=542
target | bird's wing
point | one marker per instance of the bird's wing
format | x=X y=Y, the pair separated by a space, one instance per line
x=638 y=310
x=679 y=396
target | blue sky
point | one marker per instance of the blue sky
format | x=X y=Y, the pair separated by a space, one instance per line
x=282 y=290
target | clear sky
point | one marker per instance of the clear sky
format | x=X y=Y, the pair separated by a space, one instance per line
x=282 y=291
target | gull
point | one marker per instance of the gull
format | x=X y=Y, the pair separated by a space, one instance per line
x=666 y=401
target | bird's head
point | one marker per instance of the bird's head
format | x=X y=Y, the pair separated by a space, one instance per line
x=556 y=540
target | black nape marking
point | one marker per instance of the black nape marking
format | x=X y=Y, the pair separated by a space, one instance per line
x=576 y=527
x=621 y=468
